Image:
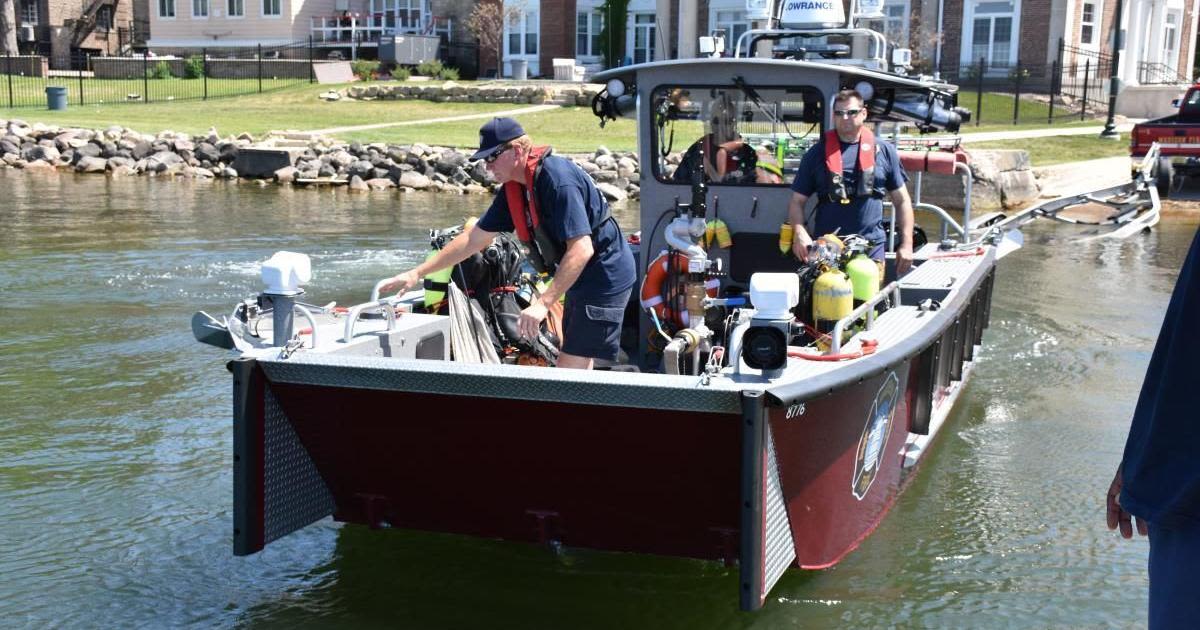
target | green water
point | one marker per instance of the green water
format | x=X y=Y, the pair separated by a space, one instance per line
x=115 y=445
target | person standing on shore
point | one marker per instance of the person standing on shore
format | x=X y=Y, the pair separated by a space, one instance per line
x=557 y=212
x=1157 y=483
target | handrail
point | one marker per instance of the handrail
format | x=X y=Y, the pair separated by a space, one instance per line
x=312 y=323
x=388 y=308
x=942 y=214
x=377 y=287
x=879 y=40
x=868 y=308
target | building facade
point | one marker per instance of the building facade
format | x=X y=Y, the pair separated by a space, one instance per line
x=1160 y=34
x=66 y=29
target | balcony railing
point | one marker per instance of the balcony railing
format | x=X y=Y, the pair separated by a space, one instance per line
x=344 y=30
x=1151 y=73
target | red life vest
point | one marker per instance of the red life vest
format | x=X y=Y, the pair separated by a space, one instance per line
x=866 y=166
x=544 y=252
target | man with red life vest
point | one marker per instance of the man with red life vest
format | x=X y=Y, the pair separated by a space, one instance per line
x=557 y=212
x=851 y=172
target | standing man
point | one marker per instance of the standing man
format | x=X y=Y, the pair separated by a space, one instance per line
x=562 y=218
x=1158 y=479
x=851 y=172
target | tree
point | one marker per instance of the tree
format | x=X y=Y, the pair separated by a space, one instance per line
x=486 y=23
x=612 y=34
x=8 y=27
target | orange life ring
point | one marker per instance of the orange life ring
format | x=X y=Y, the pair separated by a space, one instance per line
x=652 y=287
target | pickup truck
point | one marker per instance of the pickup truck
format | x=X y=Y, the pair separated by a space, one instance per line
x=1178 y=138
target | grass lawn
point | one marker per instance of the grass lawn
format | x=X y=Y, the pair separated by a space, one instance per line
x=294 y=107
x=995 y=113
x=569 y=129
x=1060 y=149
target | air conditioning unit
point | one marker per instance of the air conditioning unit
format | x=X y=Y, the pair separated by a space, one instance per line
x=26 y=33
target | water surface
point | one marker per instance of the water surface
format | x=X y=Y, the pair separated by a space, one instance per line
x=115 y=441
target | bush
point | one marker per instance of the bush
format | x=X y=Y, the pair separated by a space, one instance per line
x=401 y=73
x=193 y=68
x=449 y=74
x=364 y=68
x=430 y=68
x=161 y=70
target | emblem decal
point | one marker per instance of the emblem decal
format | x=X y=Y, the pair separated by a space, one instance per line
x=875 y=436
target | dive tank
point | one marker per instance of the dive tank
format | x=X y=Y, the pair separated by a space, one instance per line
x=441 y=276
x=864 y=277
x=832 y=299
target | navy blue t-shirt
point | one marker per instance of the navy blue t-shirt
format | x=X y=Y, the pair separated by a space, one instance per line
x=863 y=215
x=1161 y=470
x=570 y=204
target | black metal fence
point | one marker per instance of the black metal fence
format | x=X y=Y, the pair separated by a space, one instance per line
x=1072 y=87
x=144 y=78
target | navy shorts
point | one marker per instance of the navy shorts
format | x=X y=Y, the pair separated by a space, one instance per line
x=592 y=327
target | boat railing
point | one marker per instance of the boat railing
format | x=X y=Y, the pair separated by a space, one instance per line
x=865 y=309
x=948 y=222
x=387 y=306
x=875 y=60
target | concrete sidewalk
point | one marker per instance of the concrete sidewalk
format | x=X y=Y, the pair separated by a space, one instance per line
x=1016 y=134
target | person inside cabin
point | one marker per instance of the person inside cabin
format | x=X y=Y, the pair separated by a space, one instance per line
x=1158 y=479
x=851 y=172
x=728 y=158
x=557 y=212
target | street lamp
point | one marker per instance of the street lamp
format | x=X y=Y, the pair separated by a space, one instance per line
x=1110 y=128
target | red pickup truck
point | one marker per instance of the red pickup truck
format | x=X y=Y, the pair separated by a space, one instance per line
x=1178 y=138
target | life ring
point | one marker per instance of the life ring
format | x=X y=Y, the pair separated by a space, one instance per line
x=652 y=287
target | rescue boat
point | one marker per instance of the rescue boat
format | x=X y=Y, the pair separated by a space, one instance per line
x=738 y=430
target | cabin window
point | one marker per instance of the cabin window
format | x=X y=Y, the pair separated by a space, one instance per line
x=236 y=8
x=271 y=8
x=199 y=8
x=754 y=139
x=1087 y=24
x=166 y=9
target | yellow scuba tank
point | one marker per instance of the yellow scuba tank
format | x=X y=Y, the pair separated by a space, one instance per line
x=441 y=276
x=832 y=299
x=864 y=277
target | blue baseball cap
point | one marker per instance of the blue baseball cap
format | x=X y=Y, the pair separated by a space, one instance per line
x=494 y=133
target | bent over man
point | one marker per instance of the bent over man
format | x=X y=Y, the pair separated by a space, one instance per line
x=851 y=172
x=562 y=218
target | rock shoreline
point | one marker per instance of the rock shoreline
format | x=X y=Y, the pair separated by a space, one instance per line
x=1003 y=178
x=118 y=151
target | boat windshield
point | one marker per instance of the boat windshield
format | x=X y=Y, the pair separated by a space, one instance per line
x=749 y=136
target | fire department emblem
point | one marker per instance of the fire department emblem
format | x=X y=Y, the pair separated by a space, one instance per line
x=875 y=436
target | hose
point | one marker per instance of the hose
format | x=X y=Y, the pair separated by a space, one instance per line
x=868 y=348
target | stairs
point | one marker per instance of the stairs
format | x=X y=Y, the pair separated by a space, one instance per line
x=85 y=24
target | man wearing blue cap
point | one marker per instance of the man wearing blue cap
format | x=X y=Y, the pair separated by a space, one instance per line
x=557 y=212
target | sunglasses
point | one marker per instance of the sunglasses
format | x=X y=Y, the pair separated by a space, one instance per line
x=843 y=113
x=495 y=156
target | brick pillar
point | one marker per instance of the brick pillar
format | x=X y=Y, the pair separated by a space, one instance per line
x=557 y=33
